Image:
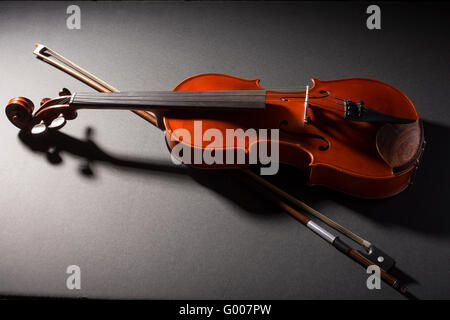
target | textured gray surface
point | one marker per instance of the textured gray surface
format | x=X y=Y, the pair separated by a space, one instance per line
x=144 y=228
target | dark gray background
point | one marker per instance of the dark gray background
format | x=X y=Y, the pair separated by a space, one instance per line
x=141 y=227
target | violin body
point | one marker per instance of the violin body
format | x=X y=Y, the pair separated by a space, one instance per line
x=363 y=159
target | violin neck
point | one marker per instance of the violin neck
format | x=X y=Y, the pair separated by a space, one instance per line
x=166 y=100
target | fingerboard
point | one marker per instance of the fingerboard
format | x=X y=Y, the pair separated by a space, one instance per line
x=236 y=99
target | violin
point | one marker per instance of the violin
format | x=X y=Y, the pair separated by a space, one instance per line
x=359 y=136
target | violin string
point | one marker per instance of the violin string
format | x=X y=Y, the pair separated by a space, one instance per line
x=192 y=95
x=163 y=95
x=187 y=98
x=124 y=99
x=203 y=93
x=326 y=107
x=135 y=98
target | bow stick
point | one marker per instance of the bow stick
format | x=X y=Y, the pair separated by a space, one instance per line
x=372 y=254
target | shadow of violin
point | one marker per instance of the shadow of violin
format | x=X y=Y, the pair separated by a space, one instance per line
x=54 y=143
x=418 y=208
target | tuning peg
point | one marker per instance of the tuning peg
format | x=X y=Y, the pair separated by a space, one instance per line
x=39 y=128
x=44 y=100
x=58 y=121
x=64 y=92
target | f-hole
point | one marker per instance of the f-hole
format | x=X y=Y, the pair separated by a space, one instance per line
x=309 y=135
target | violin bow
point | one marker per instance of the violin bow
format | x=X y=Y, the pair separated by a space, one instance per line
x=56 y=60
x=371 y=255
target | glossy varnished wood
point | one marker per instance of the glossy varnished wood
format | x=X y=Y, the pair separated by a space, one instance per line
x=352 y=163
